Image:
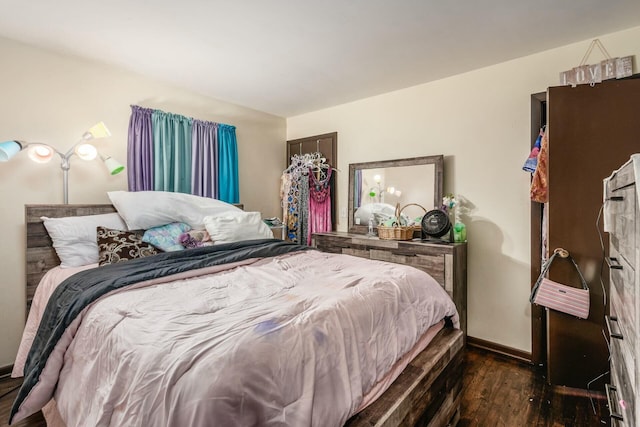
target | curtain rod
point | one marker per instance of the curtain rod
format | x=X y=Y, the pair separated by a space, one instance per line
x=180 y=115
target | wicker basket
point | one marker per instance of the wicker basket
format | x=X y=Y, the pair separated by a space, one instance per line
x=399 y=232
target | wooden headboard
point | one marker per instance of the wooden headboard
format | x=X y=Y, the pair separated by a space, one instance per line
x=40 y=256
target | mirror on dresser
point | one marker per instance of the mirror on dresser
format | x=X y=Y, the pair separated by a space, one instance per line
x=376 y=187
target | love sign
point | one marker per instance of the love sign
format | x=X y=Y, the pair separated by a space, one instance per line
x=595 y=73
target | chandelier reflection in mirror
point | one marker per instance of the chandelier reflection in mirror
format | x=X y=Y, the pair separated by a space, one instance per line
x=42 y=153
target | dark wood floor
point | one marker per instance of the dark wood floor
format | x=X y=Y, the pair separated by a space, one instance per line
x=497 y=391
x=501 y=391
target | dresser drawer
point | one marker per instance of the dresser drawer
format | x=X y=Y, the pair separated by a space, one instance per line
x=623 y=358
x=432 y=264
x=622 y=398
x=621 y=178
x=622 y=347
x=624 y=294
x=623 y=237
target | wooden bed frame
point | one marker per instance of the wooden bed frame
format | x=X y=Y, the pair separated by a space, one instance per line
x=427 y=393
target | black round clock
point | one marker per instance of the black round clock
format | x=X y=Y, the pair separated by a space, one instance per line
x=435 y=223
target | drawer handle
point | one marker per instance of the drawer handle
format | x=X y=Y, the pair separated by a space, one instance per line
x=609 y=390
x=612 y=334
x=613 y=263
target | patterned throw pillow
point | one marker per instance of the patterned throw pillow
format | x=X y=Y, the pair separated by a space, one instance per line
x=166 y=237
x=117 y=246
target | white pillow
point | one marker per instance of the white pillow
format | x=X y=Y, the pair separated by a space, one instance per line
x=148 y=209
x=235 y=227
x=75 y=237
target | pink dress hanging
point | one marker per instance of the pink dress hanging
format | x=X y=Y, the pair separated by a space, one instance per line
x=319 y=205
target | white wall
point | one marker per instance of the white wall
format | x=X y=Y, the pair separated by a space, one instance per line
x=53 y=98
x=480 y=121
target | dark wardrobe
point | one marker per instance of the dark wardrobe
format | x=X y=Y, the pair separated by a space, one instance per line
x=592 y=131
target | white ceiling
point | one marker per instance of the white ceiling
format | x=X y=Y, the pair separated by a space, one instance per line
x=288 y=57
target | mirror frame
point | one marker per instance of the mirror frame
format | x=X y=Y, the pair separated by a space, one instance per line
x=437 y=161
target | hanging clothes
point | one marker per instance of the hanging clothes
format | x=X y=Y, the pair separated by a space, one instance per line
x=292 y=206
x=532 y=161
x=303 y=210
x=319 y=205
x=285 y=187
x=305 y=171
x=293 y=180
x=540 y=181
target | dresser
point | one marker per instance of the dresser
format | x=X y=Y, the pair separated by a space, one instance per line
x=623 y=324
x=445 y=262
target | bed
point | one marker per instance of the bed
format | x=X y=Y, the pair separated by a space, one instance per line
x=426 y=392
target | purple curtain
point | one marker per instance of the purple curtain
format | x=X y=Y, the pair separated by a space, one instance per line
x=204 y=163
x=140 y=149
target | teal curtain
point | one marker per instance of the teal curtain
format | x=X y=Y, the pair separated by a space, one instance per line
x=172 y=152
x=228 y=187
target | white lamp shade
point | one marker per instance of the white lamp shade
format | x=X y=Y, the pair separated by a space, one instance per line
x=99 y=130
x=86 y=151
x=113 y=166
x=8 y=149
x=41 y=153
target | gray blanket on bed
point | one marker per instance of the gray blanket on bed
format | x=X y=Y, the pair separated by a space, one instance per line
x=83 y=288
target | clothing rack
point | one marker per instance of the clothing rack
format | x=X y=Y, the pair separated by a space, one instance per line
x=305 y=187
x=303 y=163
x=317 y=147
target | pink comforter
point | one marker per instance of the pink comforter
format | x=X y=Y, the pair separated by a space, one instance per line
x=297 y=340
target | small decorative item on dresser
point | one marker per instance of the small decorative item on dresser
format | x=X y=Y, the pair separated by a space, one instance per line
x=450 y=206
x=459 y=232
x=398 y=228
x=435 y=223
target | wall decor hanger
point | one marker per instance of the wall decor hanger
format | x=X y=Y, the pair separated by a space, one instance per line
x=606 y=69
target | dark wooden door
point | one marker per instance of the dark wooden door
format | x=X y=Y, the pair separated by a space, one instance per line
x=327 y=144
x=592 y=131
